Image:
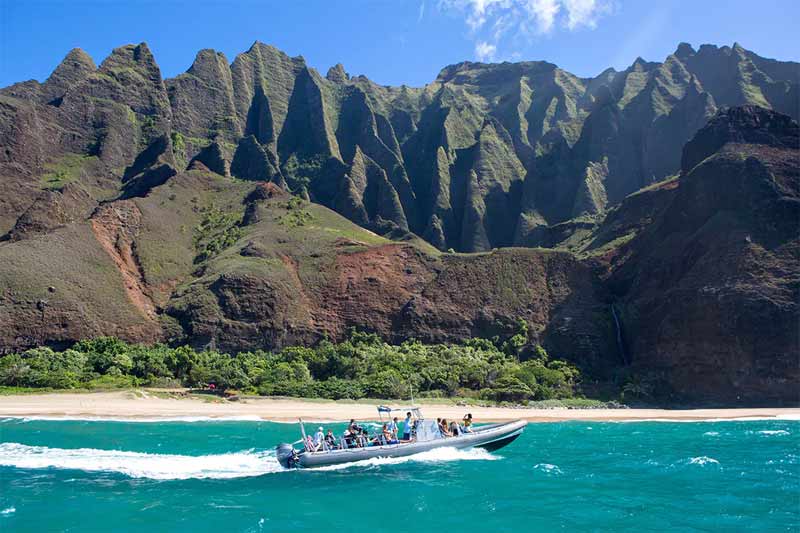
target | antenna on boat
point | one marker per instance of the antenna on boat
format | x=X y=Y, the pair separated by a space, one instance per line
x=411 y=389
x=303 y=431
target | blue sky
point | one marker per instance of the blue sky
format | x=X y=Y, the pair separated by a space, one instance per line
x=392 y=42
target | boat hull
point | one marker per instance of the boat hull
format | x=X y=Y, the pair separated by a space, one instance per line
x=491 y=438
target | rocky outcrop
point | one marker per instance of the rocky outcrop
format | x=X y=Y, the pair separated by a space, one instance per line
x=740 y=125
x=252 y=162
x=213 y=158
x=152 y=167
x=709 y=289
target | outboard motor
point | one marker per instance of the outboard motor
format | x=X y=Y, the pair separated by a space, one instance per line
x=286 y=455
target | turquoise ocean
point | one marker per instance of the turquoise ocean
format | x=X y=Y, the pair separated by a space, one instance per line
x=202 y=475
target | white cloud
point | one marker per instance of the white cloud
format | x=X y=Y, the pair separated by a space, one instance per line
x=485 y=51
x=585 y=12
x=493 y=21
x=542 y=13
x=477 y=11
x=421 y=12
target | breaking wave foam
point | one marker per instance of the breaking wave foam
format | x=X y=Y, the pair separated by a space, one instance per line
x=774 y=432
x=246 y=463
x=703 y=460
x=548 y=468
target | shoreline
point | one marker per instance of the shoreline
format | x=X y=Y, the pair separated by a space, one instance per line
x=149 y=406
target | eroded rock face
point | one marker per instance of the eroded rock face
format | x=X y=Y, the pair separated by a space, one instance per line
x=485 y=156
x=401 y=293
x=483 y=296
x=710 y=289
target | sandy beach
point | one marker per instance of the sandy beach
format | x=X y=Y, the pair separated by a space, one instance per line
x=147 y=405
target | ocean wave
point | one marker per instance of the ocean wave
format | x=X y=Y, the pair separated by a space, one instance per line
x=245 y=463
x=548 y=468
x=707 y=420
x=703 y=460
x=438 y=455
x=711 y=434
x=774 y=432
x=8 y=510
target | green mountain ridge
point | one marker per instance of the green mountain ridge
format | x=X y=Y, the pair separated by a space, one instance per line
x=258 y=204
x=545 y=146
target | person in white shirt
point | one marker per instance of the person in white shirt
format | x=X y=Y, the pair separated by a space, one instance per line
x=319 y=438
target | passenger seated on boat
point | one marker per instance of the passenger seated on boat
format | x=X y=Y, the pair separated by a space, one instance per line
x=309 y=443
x=393 y=427
x=319 y=439
x=454 y=429
x=348 y=439
x=444 y=428
x=362 y=437
x=468 y=423
x=389 y=436
x=330 y=440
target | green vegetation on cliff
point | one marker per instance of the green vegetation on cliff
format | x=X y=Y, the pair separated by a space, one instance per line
x=363 y=366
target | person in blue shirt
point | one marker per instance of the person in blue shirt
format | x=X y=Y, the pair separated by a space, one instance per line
x=408 y=424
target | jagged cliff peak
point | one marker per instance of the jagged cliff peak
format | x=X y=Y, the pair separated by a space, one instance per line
x=684 y=50
x=73 y=69
x=137 y=56
x=744 y=125
x=337 y=74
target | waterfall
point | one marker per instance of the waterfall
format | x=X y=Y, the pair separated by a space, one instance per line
x=620 y=343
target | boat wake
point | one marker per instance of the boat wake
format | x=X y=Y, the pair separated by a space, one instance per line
x=245 y=463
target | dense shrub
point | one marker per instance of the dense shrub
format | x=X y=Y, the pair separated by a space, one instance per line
x=361 y=366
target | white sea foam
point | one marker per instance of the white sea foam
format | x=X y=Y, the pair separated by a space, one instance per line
x=548 y=468
x=141 y=465
x=706 y=420
x=8 y=510
x=774 y=432
x=711 y=434
x=246 y=463
x=438 y=455
x=703 y=460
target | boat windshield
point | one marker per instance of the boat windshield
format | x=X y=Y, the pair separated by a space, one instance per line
x=390 y=412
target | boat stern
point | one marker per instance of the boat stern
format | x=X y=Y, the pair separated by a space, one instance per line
x=284 y=453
